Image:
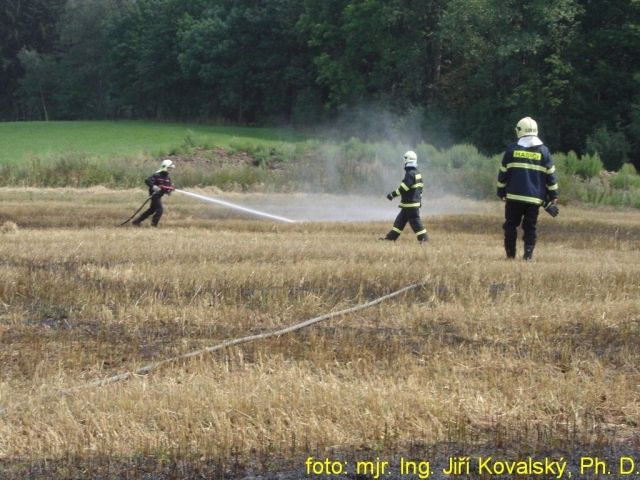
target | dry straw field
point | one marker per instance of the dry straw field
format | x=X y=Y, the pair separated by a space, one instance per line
x=487 y=353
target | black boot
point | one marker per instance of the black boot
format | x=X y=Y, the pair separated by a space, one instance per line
x=528 y=252
x=392 y=236
x=510 y=247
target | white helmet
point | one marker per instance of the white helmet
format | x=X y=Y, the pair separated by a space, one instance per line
x=410 y=159
x=166 y=165
x=527 y=126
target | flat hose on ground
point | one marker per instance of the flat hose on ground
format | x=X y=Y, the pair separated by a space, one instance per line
x=237 y=341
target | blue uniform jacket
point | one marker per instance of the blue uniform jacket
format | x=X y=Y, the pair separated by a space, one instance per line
x=527 y=174
x=410 y=190
x=161 y=179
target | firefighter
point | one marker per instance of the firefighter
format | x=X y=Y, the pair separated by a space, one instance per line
x=527 y=180
x=159 y=184
x=410 y=193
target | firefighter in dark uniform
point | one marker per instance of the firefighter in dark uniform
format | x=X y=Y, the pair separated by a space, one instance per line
x=159 y=184
x=527 y=180
x=410 y=193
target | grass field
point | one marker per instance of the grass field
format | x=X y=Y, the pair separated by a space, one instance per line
x=487 y=354
x=103 y=139
x=119 y=155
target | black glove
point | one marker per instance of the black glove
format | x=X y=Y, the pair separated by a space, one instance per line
x=389 y=196
x=551 y=207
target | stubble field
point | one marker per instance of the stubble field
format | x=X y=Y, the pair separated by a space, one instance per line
x=485 y=353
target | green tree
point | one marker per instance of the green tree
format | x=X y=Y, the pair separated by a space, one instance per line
x=611 y=147
x=24 y=25
x=374 y=50
x=248 y=57
x=83 y=89
x=143 y=59
x=36 y=85
x=508 y=59
x=607 y=78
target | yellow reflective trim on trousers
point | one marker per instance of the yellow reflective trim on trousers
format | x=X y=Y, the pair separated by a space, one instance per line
x=553 y=187
x=409 y=205
x=528 y=155
x=523 y=198
x=424 y=230
x=503 y=170
x=397 y=230
x=552 y=169
x=403 y=186
x=417 y=185
x=501 y=185
x=527 y=166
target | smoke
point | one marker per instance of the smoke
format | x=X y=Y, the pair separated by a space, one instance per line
x=361 y=154
x=324 y=207
x=353 y=164
x=374 y=122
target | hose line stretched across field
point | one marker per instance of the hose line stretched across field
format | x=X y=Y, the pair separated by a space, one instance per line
x=237 y=341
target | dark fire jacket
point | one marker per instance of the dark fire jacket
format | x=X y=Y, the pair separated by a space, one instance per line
x=527 y=174
x=410 y=190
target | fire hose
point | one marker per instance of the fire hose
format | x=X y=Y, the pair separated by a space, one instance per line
x=136 y=212
x=217 y=201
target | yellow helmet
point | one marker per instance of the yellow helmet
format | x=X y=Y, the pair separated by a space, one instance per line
x=526 y=126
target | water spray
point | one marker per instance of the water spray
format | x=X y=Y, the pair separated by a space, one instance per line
x=236 y=207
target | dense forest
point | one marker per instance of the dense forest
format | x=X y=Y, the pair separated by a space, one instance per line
x=461 y=70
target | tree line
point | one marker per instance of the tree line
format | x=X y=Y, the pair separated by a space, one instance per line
x=461 y=70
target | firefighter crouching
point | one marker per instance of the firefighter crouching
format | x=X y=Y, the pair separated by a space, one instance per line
x=410 y=193
x=159 y=184
x=527 y=180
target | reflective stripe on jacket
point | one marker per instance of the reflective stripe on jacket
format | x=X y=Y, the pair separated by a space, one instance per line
x=527 y=174
x=410 y=190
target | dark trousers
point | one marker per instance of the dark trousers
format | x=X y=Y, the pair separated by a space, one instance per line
x=411 y=215
x=155 y=209
x=516 y=213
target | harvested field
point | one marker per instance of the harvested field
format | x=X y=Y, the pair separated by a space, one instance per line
x=486 y=354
